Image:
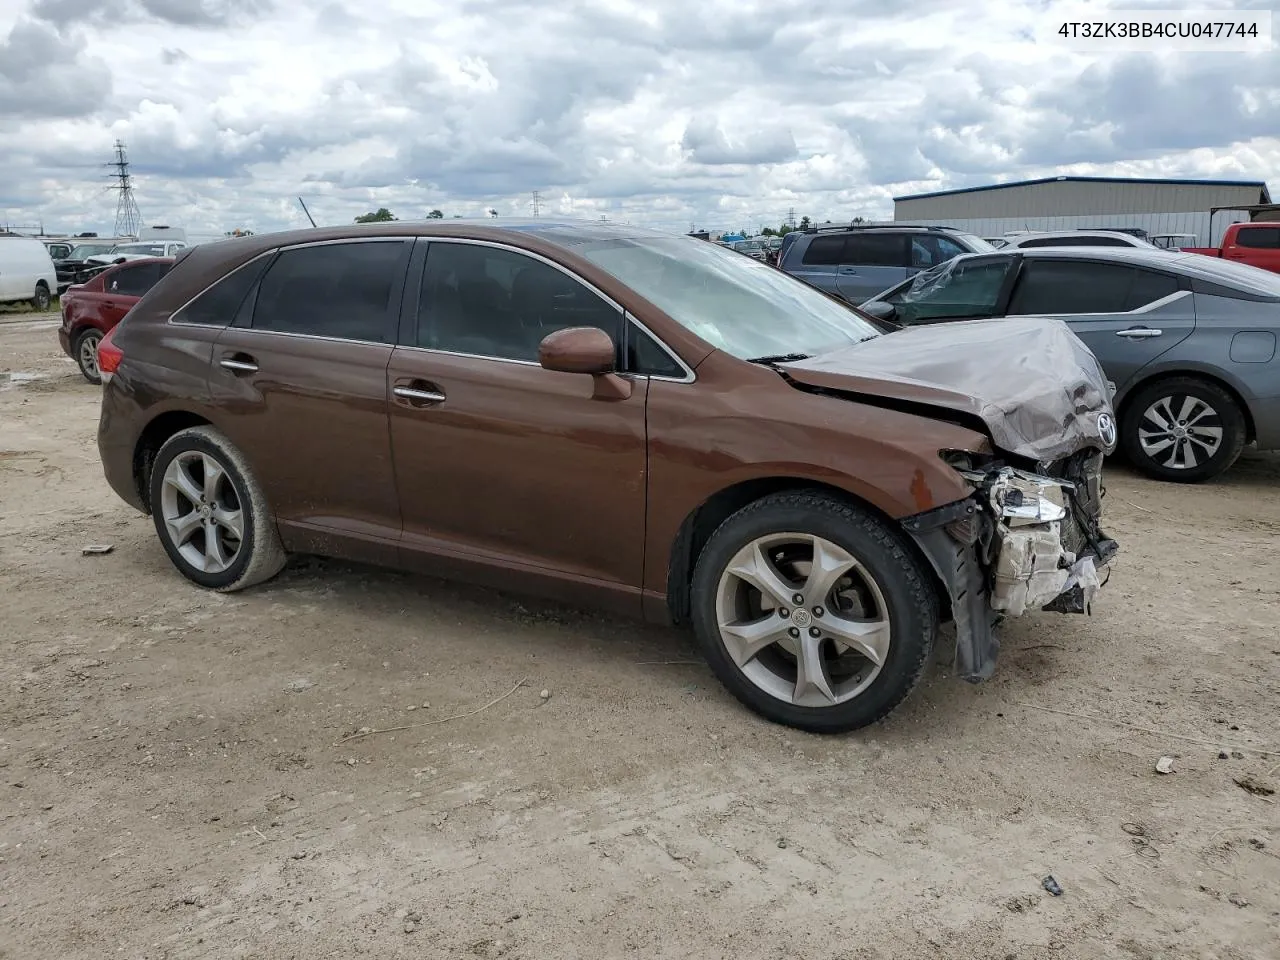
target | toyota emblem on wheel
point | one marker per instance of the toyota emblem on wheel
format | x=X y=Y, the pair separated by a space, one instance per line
x=1107 y=429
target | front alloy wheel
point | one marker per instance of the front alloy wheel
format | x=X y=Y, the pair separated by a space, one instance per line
x=813 y=612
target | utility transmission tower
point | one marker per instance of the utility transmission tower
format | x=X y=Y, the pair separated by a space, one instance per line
x=128 y=217
x=537 y=203
x=791 y=218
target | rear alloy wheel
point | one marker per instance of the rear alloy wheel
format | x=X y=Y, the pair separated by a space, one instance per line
x=1183 y=429
x=813 y=612
x=86 y=354
x=210 y=514
x=42 y=299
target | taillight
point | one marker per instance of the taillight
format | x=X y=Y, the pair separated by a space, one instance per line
x=109 y=356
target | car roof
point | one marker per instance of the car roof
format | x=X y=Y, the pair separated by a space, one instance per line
x=1041 y=234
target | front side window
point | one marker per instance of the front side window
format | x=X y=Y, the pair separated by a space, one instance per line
x=955 y=290
x=928 y=250
x=739 y=305
x=492 y=302
x=341 y=290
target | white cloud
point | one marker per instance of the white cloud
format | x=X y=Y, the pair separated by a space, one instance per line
x=724 y=113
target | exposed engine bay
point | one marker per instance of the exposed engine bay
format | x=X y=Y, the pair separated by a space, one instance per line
x=1023 y=541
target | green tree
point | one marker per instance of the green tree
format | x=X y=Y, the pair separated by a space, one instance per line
x=237 y=232
x=784 y=229
x=804 y=223
x=435 y=215
x=768 y=232
x=381 y=215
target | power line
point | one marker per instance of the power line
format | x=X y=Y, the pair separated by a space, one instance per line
x=128 y=217
x=537 y=203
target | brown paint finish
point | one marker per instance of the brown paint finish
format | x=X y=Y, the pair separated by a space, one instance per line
x=521 y=466
x=570 y=485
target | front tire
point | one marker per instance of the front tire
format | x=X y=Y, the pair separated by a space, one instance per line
x=813 y=612
x=1182 y=429
x=210 y=513
x=85 y=348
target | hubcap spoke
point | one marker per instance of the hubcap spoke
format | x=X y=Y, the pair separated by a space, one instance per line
x=744 y=641
x=181 y=528
x=869 y=637
x=752 y=565
x=230 y=520
x=1161 y=415
x=179 y=477
x=1188 y=454
x=213 y=475
x=215 y=559
x=830 y=563
x=811 y=671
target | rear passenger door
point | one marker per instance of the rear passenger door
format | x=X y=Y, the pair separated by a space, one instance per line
x=1128 y=316
x=303 y=367
x=872 y=262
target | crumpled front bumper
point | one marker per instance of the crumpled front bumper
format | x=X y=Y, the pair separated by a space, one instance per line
x=1021 y=542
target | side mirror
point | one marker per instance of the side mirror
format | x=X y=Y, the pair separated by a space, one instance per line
x=577 y=350
x=585 y=350
x=879 y=309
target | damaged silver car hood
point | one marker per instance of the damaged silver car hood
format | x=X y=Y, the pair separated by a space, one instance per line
x=1036 y=386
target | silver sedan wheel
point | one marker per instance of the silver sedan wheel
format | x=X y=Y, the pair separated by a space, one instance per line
x=803 y=619
x=202 y=514
x=89 y=354
x=1180 y=432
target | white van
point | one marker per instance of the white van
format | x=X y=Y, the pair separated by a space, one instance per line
x=26 y=272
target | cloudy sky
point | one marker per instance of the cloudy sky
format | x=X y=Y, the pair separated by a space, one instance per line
x=723 y=113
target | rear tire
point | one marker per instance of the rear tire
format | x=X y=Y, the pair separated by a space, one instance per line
x=85 y=349
x=809 y=677
x=1183 y=429
x=210 y=512
x=42 y=299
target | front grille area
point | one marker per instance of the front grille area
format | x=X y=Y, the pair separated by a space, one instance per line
x=1080 y=528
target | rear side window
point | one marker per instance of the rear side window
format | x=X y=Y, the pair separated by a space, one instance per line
x=218 y=306
x=1071 y=286
x=824 y=251
x=1261 y=238
x=340 y=290
x=1148 y=287
x=875 y=249
x=136 y=281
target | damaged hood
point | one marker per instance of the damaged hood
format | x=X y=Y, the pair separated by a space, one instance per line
x=1036 y=386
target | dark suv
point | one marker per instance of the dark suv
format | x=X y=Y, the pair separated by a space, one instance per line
x=857 y=262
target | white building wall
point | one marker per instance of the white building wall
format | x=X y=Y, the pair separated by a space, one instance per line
x=1192 y=222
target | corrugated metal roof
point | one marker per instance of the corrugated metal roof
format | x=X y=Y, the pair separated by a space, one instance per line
x=1260 y=184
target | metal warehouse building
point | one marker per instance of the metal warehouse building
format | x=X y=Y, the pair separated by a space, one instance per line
x=1068 y=203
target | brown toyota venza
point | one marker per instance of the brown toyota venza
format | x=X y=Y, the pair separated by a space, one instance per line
x=616 y=417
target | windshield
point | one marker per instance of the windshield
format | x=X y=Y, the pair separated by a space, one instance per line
x=146 y=249
x=975 y=244
x=739 y=305
x=86 y=250
x=749 y=246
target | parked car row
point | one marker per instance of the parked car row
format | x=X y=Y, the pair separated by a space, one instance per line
x=85 y=260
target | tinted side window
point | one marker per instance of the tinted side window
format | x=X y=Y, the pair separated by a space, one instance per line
x=874 y=249
x=218 y=306
x=1071 y=286
x=929 y=251
x=1263 y=238
x=824 y=251
x=498 y=303
x=339 y=290
x=644 y=356
x=136 y=281
x=1148 y=287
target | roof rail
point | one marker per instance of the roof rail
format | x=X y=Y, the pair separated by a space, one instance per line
x=880 y=226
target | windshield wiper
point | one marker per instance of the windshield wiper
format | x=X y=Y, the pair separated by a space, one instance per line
x=780 y=358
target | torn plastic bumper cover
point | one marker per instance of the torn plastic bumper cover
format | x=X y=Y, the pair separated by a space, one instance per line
x=1021 y=542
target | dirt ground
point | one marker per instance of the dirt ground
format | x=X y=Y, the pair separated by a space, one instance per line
x=171 y=783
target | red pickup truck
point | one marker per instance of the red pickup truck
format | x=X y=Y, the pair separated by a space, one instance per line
x=1257 y=244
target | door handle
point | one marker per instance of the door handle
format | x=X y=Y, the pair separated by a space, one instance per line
x=848 y=271
x=239 y=363
x=418 y=395
x=1139 y=333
